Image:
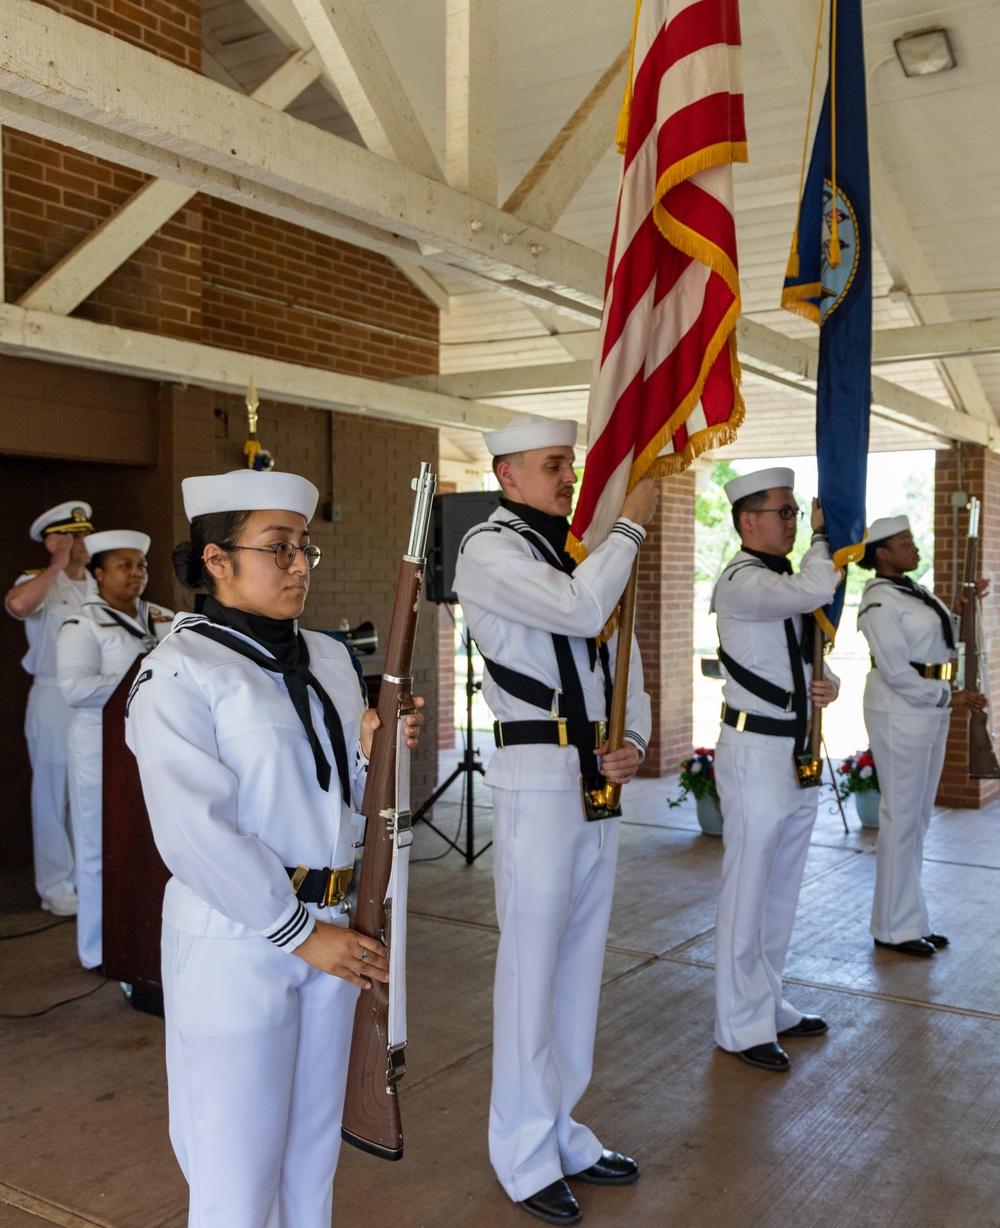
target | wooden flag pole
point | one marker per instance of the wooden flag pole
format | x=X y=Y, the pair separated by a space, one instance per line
x=623 y=664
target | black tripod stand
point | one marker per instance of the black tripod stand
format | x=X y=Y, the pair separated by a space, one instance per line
x=468 y=767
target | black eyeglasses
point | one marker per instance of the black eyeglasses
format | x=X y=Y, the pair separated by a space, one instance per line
x=787 y=511
x=284 y=553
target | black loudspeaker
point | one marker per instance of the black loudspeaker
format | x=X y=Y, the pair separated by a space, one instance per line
x=451 y=518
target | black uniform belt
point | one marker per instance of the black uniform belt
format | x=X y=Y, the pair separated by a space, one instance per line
x=943 y=673
x=551 y=732
x=326 y=886
x=748 y=722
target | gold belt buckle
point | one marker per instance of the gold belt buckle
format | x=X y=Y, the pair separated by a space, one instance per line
x=563 y=739
x=946 y=672
x=741 y=721
x=299 y=877
x=338 y=885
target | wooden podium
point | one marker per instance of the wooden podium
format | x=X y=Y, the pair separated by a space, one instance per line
x=134 y=874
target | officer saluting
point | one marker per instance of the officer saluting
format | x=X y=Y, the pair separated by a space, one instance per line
x=765 y=645
x=534 y=614
x=43 y=599
x=908 y=705
x=94 y=651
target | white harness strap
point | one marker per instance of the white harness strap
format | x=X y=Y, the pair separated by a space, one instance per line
x=396 y=893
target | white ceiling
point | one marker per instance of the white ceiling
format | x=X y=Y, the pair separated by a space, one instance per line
x=936 y=179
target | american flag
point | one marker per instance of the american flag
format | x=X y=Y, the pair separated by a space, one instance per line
x=666 y=375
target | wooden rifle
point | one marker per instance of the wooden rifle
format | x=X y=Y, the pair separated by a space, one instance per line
x=972 y=666
x=371 y=1107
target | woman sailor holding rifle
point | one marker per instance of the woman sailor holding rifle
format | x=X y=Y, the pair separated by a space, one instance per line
x=252 y=739
x=908 y=705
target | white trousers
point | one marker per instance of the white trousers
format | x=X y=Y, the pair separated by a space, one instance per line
x=46 y=727
x=86 y=806
x=554 y=877
x=766 y=824
x=908 y=748
x=257 y=1051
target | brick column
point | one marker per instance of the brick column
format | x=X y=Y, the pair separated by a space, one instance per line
x=665 y=623
x=979 y=470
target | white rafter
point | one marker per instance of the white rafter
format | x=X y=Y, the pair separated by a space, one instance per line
x=957 y=339
x=544 y=194
x=366 y=80
x=82 y=343
x=78 y=274
x=86 y=89
x=471 y=58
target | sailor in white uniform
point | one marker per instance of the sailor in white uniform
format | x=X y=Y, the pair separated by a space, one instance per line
x=252 y=738
x=535 y=619
x=767 y=818
x=912 y=636
x=94 y=651
x=44 y=599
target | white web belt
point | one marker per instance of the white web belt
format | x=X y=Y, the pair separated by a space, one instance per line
x=399 y=824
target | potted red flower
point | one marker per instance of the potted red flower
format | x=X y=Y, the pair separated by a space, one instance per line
x=697 y=778
x=859 y=778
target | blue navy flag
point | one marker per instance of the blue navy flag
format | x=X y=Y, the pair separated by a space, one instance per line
x=829 y=281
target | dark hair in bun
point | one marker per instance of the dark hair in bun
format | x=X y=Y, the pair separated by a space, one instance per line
x=221 y=529
x=868 y=561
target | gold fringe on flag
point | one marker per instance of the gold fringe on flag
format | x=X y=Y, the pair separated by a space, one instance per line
x=621 y=136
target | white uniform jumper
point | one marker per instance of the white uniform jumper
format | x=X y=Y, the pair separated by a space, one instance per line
x=46 y=726
x=767 y=818
x=93 y=653
x=257 y=1040
x=907 y=716
x=554 y=871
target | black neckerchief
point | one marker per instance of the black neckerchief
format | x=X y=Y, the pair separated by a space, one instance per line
x=773 y=562
x=148 y=640
x=554 y=529
x=916 y=590
x=280 y=637
x=781 y=564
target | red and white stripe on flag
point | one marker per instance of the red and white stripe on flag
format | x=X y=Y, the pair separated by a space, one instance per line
x=666 y=374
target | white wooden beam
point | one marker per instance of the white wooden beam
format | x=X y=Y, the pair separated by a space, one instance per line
x=82 y=343
x=544 y=194
x=78 y=274
x=471 y=67
x=356 y=61
x=507 y=381
x=83 y=88
x=3 y=253
x=958 y=339
x=794 y=364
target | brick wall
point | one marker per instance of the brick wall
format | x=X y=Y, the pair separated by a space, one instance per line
x=278 y=290
x=980 y=476
x=665 y=623
x=167 y=28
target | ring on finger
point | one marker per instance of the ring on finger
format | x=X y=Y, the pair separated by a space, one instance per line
x=364 y=953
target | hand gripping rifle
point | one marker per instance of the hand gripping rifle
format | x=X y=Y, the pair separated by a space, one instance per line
x=972 y=667
x=371 y=1107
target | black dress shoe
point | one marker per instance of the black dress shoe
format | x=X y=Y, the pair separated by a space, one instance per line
x=937 y=940
x=766 y=1057
x=555 y=1204
x=808 y=1025
x=915 y=946
x=612 y=1168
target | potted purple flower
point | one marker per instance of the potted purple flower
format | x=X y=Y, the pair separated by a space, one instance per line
x=697 y=778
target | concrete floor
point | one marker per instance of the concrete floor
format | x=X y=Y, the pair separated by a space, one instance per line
x=893 y=1118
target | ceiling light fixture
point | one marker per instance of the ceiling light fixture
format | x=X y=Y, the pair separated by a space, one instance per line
x=922 y=52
